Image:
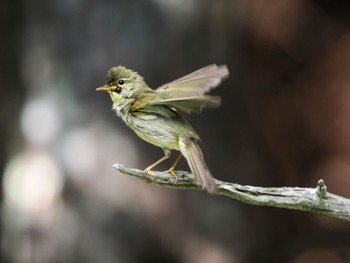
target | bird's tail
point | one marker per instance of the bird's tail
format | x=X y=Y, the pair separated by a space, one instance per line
x=194 y=156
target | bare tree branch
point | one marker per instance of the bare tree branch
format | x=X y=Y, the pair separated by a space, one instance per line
x=316 y=200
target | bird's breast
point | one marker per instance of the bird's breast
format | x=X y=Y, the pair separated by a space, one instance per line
x=155 y=130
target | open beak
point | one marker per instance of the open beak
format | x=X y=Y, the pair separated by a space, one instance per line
x=106 y=88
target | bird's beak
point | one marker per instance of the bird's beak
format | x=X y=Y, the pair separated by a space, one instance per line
x=106 y=88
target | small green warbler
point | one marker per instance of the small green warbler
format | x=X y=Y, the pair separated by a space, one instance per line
x=153 y=114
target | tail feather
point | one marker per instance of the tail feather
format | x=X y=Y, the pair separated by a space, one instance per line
x=194 y=156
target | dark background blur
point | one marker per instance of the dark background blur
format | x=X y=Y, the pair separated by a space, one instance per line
x=285 y=121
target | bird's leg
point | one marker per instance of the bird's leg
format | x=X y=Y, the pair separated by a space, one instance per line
x=172 y=168
x=149 y=168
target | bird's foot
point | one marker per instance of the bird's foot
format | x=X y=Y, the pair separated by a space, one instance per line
x=171 y=171
x=151 y=173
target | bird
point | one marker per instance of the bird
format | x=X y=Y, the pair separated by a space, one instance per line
x=154 y=114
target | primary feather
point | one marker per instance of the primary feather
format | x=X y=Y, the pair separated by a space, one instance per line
x=196 y=83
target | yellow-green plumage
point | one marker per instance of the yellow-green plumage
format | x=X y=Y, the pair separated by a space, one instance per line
x=153 y=114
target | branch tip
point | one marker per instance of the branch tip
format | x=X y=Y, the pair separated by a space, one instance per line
x=321 y=189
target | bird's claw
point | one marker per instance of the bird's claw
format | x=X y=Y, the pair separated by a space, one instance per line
x=171 y=171
x=151 y=173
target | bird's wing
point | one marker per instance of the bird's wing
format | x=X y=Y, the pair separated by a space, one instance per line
x=187 y=93
x=196 y=83
x=190 y=104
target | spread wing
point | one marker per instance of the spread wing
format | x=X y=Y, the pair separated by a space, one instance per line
x=196 y=83
x=187 y=93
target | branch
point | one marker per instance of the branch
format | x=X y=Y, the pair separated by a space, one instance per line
x=316 y=200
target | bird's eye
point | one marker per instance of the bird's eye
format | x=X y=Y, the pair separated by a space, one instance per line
x=121 y=82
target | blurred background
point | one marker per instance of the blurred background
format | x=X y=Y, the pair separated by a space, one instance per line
x=285 y=121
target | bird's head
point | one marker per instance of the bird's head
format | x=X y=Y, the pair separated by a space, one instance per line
x=122 y=84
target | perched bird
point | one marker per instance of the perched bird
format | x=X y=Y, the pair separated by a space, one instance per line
x=153 y=114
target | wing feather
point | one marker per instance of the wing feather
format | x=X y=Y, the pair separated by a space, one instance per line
x=196 y=83
x=191 y=104
x=188 y=93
